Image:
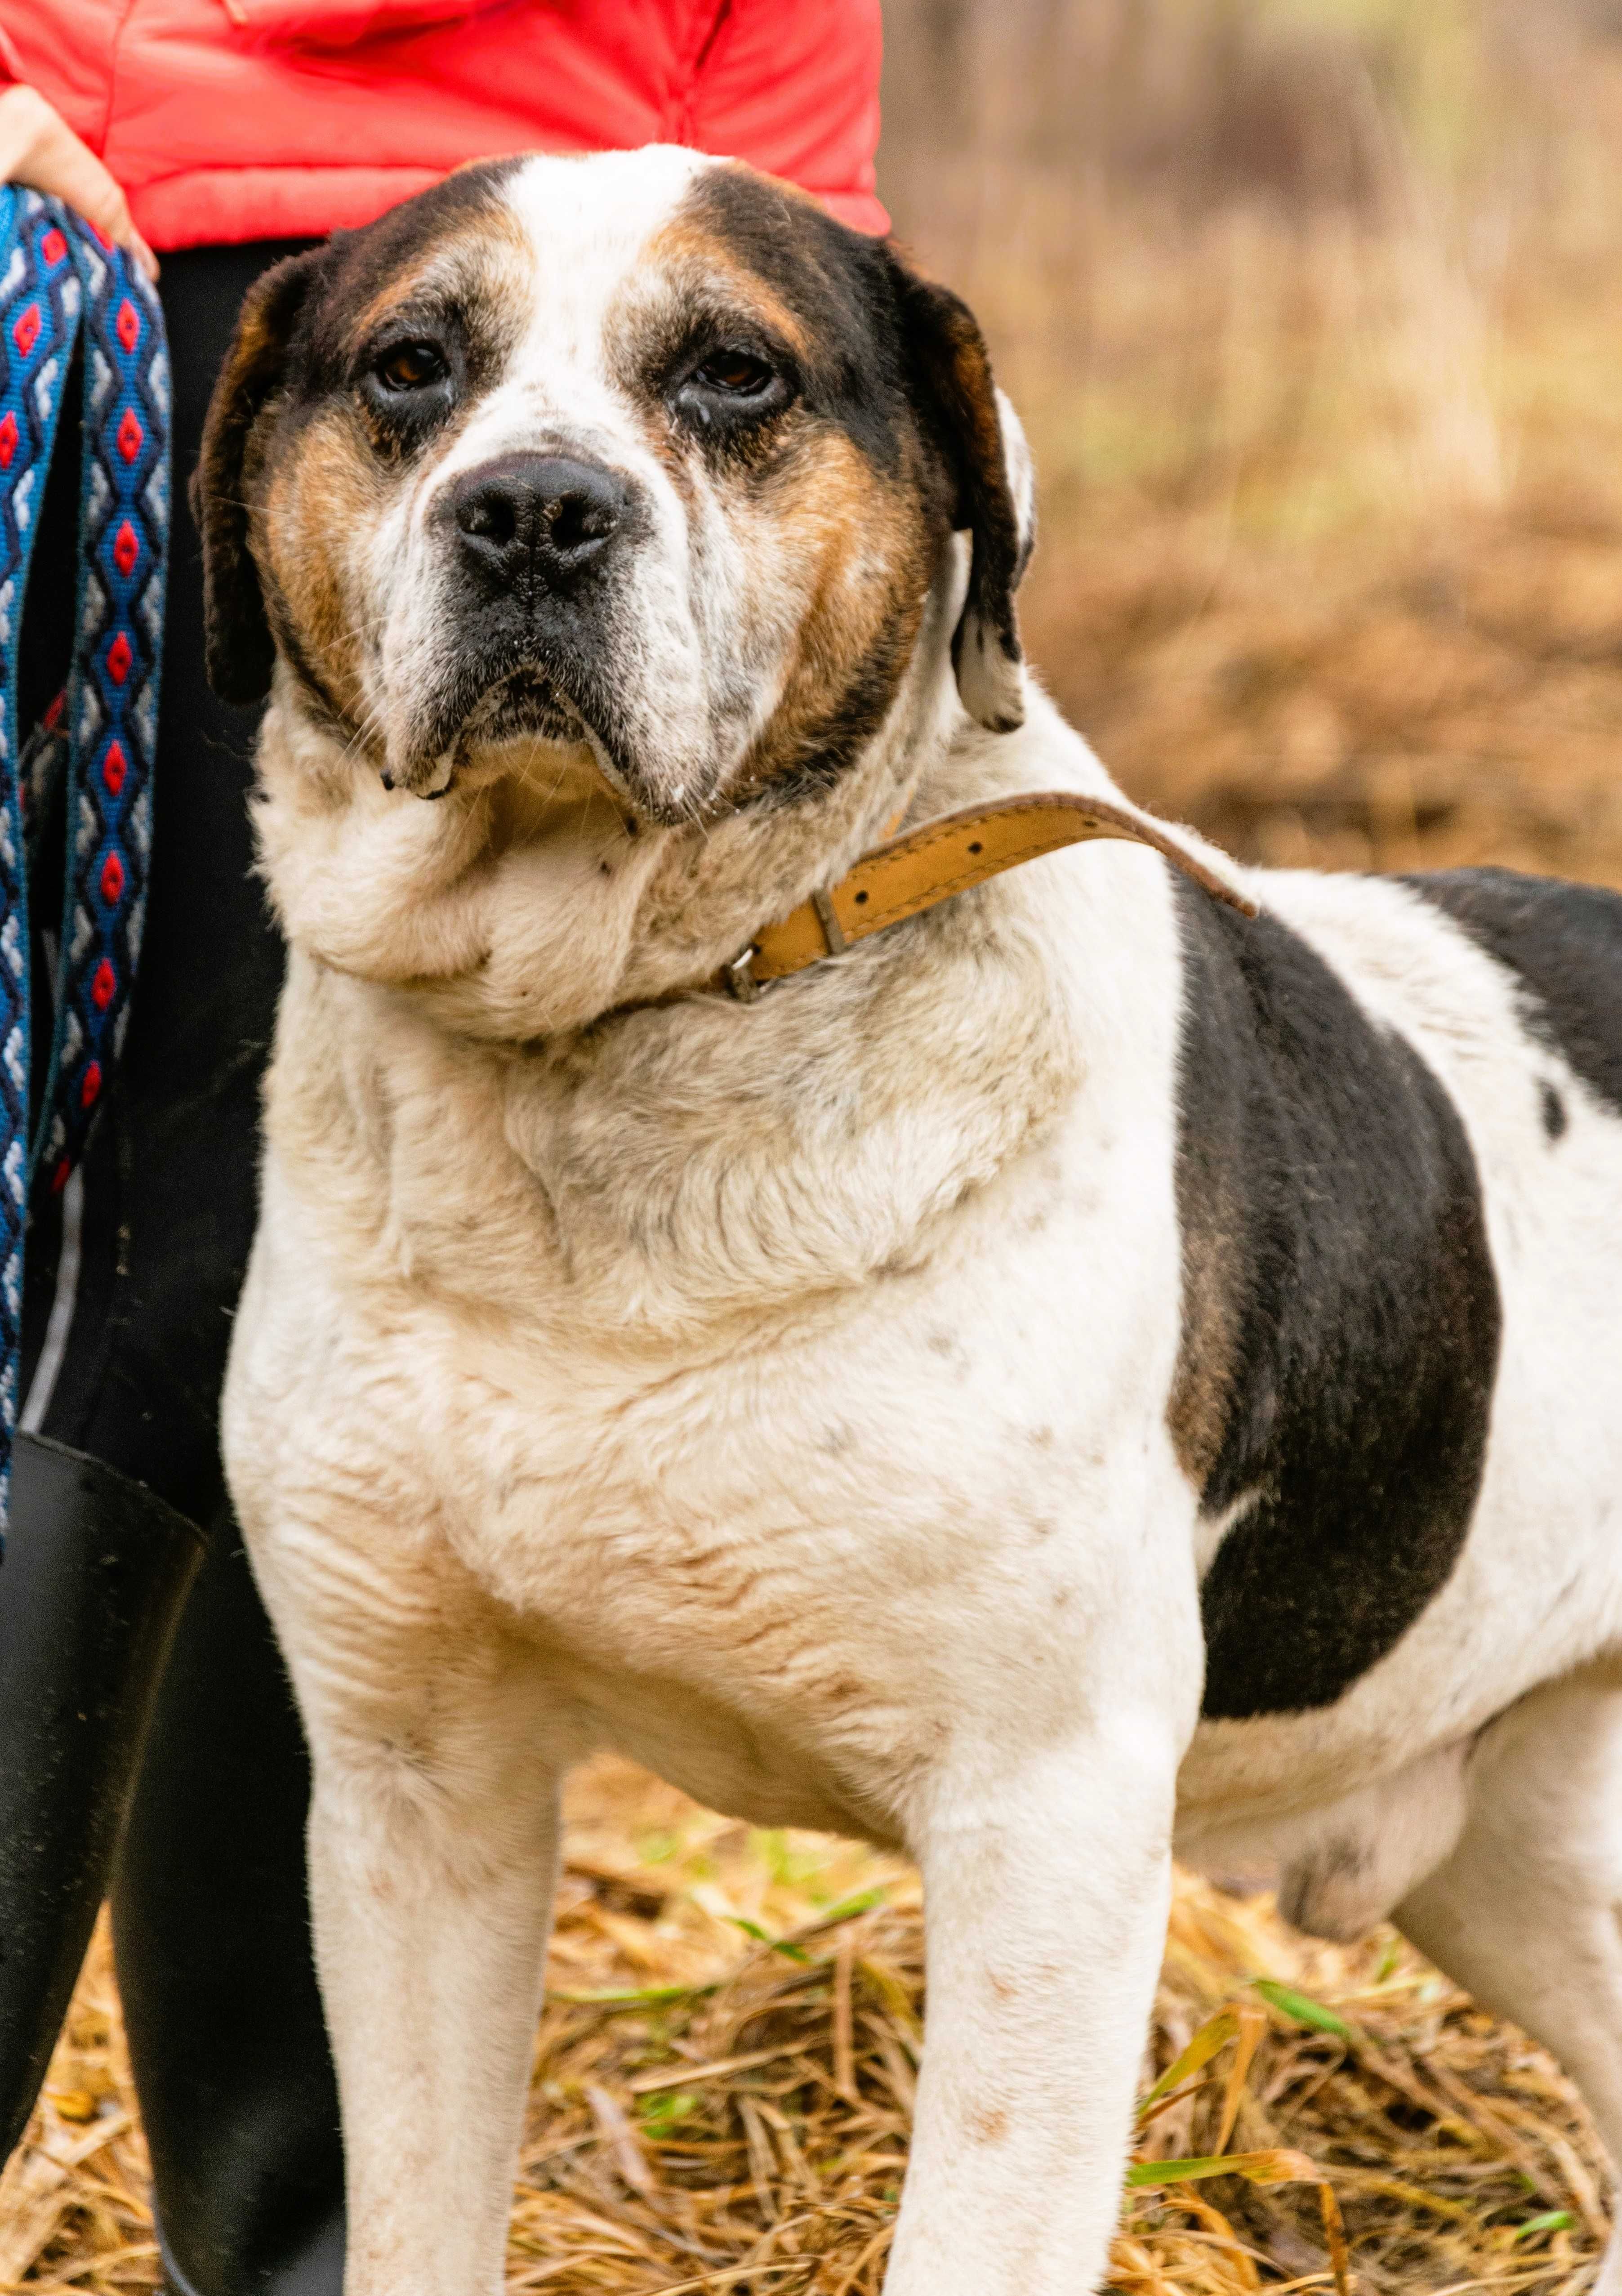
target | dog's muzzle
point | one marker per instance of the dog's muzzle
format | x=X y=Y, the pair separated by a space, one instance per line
x=533 y=549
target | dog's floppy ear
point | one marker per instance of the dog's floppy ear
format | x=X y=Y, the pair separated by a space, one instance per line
x=989 y=464
x=237 y=639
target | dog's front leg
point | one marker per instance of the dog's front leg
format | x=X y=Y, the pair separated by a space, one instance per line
x=430 y=1956
x=433 y=1838
x=432 y=1894
x=1046 y=1888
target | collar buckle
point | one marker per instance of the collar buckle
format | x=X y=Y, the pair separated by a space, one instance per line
x=740 y=982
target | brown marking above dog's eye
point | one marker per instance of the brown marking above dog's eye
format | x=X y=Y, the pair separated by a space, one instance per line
x=423 y=309
x=759 y=340
x=898 y=371
x=458 y=248
x=690 y=276
x=743 y=255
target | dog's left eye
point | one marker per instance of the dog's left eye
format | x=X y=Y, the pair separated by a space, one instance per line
x=736 y=374
x=410 y=366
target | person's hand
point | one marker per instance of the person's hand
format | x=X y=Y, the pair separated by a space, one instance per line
x=38 y=148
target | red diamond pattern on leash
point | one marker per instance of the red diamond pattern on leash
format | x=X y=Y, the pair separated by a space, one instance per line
x=60 y=273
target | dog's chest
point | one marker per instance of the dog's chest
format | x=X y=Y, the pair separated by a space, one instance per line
x=790 y=1572
x=762 y=1544
x=870 y=1491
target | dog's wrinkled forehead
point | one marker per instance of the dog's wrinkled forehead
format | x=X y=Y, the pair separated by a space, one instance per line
x=582 y=288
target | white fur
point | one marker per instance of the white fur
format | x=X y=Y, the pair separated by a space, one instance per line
x=779 y=1396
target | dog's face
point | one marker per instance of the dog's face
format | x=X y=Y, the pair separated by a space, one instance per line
x=641 y=453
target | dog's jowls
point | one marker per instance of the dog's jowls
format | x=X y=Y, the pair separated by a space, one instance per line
x=1078 y=1367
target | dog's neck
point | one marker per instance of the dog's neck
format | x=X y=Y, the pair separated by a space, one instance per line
x=800 y=1113
x=531 y=899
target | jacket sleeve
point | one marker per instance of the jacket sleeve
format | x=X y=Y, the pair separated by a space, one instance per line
x=342 y=23
x=11 y=63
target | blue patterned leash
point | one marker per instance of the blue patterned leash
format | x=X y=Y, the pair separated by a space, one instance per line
x=61 y=282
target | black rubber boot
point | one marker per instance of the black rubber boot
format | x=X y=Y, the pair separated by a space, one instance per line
x=211 y=1930
x=96 y=1570
x=210 y=1923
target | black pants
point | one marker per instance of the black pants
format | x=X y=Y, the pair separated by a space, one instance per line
x=133 y=1277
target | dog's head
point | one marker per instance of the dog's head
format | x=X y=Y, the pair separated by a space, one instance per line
x=641 y=452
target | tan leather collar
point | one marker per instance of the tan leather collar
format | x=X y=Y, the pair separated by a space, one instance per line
x=933 y=862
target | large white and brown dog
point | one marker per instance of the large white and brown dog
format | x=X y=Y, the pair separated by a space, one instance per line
x=1080 y=1369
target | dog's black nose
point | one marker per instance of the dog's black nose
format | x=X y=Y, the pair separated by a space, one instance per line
x=537 y=520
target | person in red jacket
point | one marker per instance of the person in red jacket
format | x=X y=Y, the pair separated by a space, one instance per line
x=219 y=121
x=223 y=134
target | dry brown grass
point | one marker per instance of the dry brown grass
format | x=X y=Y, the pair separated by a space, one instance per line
x=724 y=2080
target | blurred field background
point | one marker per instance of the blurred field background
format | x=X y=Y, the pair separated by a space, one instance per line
x=1313 y=312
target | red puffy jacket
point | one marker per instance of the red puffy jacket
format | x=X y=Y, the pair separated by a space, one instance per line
x=235 y=120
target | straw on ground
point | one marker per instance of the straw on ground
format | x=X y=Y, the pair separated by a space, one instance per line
x=724 y=2083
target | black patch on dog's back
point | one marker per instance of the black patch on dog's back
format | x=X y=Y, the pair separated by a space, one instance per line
x=1342 y=1317
x=1564 y=944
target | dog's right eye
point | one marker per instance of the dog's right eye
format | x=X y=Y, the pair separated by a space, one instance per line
x=410 y=366
x=738 y=373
